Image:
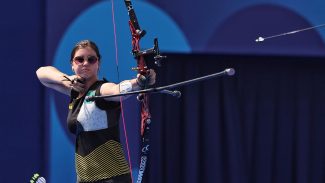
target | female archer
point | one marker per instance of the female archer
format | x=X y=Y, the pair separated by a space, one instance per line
x=99 y=156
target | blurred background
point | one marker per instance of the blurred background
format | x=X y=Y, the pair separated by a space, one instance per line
x=266 y=124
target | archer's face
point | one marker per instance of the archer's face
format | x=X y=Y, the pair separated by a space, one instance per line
x=85 y=63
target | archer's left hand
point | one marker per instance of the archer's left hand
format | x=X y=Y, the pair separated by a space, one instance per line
x=148 y=80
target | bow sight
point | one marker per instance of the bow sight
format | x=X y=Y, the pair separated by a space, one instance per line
x=154 y=50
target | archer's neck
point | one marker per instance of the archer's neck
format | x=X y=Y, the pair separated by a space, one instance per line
x=88 y=84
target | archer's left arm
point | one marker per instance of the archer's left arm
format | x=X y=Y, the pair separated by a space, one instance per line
x=138 y=83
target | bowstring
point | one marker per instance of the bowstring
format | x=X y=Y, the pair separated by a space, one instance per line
x=118 y=78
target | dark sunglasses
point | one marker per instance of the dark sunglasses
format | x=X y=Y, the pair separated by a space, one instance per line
x=80 y=60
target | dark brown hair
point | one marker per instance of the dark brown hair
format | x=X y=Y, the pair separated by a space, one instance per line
x=84 y=44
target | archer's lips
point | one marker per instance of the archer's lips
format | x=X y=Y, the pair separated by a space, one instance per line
x=85 y=70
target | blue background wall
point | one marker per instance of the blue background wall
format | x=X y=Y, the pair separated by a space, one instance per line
x=22 y=123
x=37 y=33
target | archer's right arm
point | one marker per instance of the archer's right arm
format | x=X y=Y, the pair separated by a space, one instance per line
x=51 y=77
